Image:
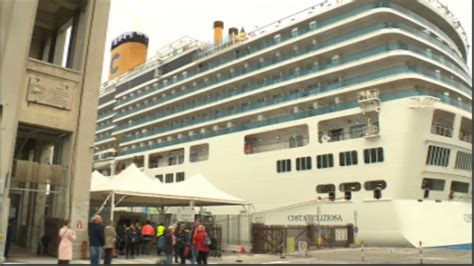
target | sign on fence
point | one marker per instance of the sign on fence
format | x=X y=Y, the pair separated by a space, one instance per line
x=185 y=215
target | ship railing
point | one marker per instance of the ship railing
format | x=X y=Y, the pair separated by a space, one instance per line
x=441 y=130
x=467 y=137
x=320 y=24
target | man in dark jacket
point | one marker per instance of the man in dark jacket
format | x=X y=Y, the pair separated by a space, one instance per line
x=96 y=239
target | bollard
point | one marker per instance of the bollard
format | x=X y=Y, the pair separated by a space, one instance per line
x=84 y=248
x=362 y=256
x=421 y=253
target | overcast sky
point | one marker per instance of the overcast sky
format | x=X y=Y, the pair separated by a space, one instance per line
x=167 y=21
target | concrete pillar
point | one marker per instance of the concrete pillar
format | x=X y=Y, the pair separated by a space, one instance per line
x=97 y=11
x=59 y=46
x=19 y=17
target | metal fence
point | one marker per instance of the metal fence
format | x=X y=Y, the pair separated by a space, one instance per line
x=277 y=239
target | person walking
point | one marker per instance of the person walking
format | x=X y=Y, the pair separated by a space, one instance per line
x=138 y=245
x=194 y=251
x=147 y=237
x=96 y=239
x=169 y=244
x=182 y=241
x=110 y=239
x=160 y=238
x=66 y=238
x=131 y=240
x=175 y=245
x=201 y=240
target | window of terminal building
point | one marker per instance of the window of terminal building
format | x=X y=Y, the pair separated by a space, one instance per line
x=348 y=158
x=57 y=30
x=374 y=155
x=459 y=187
x=169 y=178
x=438 y=156
x=180 y=177
x=463 y=161
x=325 y=161
x=159 y=177
x=303 y=163
x=284 y=166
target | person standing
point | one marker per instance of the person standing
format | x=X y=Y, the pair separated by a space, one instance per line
x=198 y=241
x=110 y=238
x=132 y=239
x=160 y=238
x=138 y=245
x=66 y=238
x=147 y=237
x=96 y=239
x=182 y=241
x=194 y=251
x=169 y=245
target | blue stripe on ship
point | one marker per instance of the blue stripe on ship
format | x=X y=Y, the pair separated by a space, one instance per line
x=456 y=247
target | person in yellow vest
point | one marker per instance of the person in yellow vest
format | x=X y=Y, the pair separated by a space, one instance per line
x=160 y=239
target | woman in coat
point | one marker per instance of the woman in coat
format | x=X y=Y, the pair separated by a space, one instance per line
x=66 y=237
x=198 y=241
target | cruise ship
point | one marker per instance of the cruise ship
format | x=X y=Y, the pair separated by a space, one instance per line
x=348 y=112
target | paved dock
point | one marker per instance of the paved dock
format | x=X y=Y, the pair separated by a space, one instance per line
x=372 y=255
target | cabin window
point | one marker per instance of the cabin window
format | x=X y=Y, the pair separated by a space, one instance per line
x=433 y=184
x=460 y=187
x=463 y=161
x=169 y=178
x=371 y=185
x=438 y=156
x=348 y=158
x=159 y=177
x=303 y=163
x=352 y=186
x=326 y=188
x=325 y=161
x=374 y=155
x=284 y=166
x=180 y=177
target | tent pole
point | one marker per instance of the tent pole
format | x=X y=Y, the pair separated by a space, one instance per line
x=103 y=205
x=112 y=207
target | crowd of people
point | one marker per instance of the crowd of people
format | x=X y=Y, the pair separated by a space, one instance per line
x=181 y=242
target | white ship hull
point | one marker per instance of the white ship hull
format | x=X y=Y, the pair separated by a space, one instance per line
x=387 y=222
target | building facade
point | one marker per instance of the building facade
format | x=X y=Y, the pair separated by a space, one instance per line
x=51 y=63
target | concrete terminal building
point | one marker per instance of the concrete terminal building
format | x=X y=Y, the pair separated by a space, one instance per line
x=51 y=63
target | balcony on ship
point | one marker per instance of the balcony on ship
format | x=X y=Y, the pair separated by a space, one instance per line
x=166 y=158
x=442 y=123
x=349 y=127
x=286 y=138
x=465 y=133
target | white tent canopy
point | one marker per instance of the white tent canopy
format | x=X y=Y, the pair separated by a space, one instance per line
x=134 y=188
x=98 y=179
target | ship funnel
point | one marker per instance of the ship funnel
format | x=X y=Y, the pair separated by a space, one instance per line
x=128 y=51
x=233 y=33
x=218 y=29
